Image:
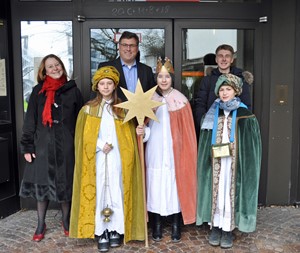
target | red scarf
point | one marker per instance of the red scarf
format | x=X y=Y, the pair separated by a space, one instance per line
x=50 y=85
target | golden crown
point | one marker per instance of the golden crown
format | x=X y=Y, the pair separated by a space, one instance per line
x=167 y=65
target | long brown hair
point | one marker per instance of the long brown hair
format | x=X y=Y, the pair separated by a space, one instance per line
x=119 y=112
x=42 y=69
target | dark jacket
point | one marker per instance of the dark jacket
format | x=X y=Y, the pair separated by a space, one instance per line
x=50 y=175
x=145 y=75
x=205 y=96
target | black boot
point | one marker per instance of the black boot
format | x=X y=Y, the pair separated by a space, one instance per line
x=176 y=227
x=156 y=227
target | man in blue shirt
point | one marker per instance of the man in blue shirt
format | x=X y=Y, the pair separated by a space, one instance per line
x=129 y=66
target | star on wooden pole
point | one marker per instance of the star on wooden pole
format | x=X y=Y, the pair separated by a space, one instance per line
x=139 y=104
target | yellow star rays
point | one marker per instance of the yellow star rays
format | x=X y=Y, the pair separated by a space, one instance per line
x=139 y=104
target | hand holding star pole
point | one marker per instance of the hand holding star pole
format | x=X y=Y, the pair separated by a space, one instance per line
x=140 y=105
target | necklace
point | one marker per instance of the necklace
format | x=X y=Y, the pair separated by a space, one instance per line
x=168 y=92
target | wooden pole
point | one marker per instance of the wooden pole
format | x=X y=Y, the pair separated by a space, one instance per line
x=142 y=111
x=142 y=158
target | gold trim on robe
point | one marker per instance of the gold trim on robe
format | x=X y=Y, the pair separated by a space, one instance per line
x=82 y=223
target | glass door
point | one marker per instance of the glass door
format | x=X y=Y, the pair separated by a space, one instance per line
x=197 y=51
x=102 y=44
x=39 y=38
x=195 y=42
x=9 y=197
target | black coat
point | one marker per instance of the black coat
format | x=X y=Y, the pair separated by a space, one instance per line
x=50 y=175
x=145 y=75
x=206 y=96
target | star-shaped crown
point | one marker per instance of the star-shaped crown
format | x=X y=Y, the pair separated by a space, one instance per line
x=167 y=65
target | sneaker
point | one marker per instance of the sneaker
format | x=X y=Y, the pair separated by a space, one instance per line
x=103 y=243
x=215 y=236
x=114 y=239
x=226 y=240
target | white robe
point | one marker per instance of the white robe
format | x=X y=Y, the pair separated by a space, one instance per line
x=113 y=190
x=162 y=197
x=222 y=216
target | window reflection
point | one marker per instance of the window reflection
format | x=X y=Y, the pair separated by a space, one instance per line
x=39 y=38
x=198 y=57
x=104 y=45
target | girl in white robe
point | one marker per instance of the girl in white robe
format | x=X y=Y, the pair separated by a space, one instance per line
x=107 y=191
x=170 y=179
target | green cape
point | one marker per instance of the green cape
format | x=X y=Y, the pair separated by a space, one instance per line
x=247 y=171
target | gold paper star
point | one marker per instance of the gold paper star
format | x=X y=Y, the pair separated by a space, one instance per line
x=139 y=104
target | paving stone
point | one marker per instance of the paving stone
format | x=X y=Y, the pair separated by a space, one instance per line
x=278 y=230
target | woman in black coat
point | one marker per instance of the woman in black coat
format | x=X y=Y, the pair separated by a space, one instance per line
x=48 y=141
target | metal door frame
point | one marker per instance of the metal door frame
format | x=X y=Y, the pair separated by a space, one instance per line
x=9 y=180
x=258 y=102
x=103 y=23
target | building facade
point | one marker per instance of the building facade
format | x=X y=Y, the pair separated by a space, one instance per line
x=264 y=34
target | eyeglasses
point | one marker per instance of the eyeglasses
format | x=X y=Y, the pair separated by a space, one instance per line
x=128 y=45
